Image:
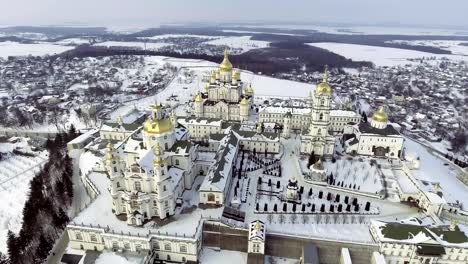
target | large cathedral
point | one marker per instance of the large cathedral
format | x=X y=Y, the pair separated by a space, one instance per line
x=225 y=96
x=149 y=170
x=317 y=138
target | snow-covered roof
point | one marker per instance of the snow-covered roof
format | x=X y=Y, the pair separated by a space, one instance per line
x=344 y=113
x=415 y=233
x=257 y=230
x=200 y=121
x=435 y=198
x=83 y=137
x=218 y=173
x=284 y=110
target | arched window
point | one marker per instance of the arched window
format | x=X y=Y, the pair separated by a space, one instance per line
x=78 y=236
x=164 y=188
x=156 y=246
x=319 y=132
x=321 y=116
x=137 y=186
x=115 y=169
x=176 y=162
x=322 y=102
x=183 y=248
x=93 y=238
x=118 y=184
x=167 y=247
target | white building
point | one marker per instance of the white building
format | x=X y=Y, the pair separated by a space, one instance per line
x=257 y=231
x=318 y=139
x=377 y=138
x=413 y=243
x=300 y=118
x=149 y=171
x=215 y=186
x=224 y=96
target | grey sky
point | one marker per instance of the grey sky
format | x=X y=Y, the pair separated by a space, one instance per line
x=154 y=12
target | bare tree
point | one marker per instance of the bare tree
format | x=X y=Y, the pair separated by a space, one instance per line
x=305 y=219
x=335 y=218
x=317 y=218
x=270 y=218
x=293 y=218
x=281 y=218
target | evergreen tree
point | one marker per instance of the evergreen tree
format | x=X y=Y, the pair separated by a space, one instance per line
x=4 y=259
x=275 y=208
x=12 y=244
x=285 y=207
x=265 y=208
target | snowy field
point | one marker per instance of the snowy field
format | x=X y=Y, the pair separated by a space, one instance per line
x=16 y=172
x=216 y=256
x=244 y=43
x=453 y=46
x=259 y=32
x=133 y=44
x=73 y=41
x=361 y=30
x=10 y=48
x=380 y=56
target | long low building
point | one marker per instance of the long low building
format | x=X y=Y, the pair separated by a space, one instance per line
x=411 y=242
x=300 y=119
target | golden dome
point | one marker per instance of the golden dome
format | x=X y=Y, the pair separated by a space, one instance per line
x=249 y=90
x=380 y=115
x=324 y=88
x=226 y=65
x=198 y=98
x=244 y=101
x=157 y=126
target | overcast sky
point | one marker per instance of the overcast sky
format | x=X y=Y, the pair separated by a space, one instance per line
x=155 y=12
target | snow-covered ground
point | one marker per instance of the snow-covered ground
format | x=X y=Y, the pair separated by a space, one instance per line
x=436 y=170
x=245 y=43
x=451 y=45
x=10 y=48
x=380 y=56
x=16 y=172
x=73 y=41
x=114 y=258
x=216 y=256
x=133 y=44
x=259 y=32
x=361 y=30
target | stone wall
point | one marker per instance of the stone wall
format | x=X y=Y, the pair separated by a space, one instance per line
x=224 y=237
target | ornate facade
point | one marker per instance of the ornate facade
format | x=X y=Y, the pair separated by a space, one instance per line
x=318 y=139
x=225 y=96
x=375 y=138
x=146 y=175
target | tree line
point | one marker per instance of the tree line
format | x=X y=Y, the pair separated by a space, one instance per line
x=45 y=211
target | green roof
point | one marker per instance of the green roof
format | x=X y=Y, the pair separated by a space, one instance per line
x=405 y=231
x=402 y=231
x=456 y=236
